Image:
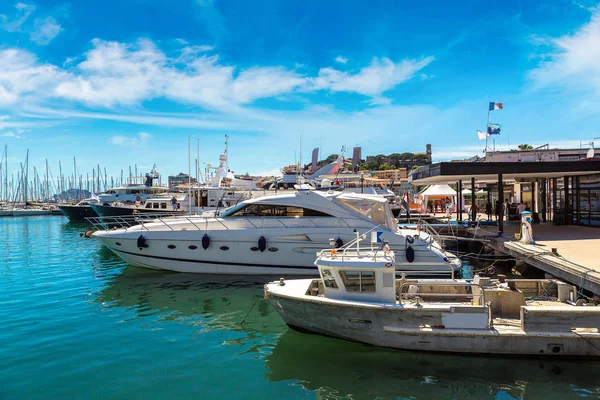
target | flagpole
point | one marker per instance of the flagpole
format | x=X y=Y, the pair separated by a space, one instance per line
x=487 y=129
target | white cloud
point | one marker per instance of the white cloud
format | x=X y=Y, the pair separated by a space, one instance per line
x=381 y=75
x=574 y=60
x=115 y=74
x=41 y=31
x=21 y=75
x=341 y=60
x=44 y=30
x=14 y=24
x=140 y=139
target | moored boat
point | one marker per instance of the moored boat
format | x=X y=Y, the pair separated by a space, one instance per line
x=79 y=211
x=359 y=298
x=272 y=235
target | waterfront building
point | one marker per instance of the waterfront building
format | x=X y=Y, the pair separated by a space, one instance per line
x=180 y=179
x=558 y=185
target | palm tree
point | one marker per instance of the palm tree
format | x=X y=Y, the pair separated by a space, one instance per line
x=525 y=147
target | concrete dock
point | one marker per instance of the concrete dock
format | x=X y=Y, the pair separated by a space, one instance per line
x=577 y=258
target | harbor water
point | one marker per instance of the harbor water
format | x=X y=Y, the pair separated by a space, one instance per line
x=77 y=322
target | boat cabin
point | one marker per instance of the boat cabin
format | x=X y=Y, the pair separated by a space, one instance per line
x=355 y=275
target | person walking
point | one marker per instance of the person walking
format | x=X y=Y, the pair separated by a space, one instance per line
x=488 y=210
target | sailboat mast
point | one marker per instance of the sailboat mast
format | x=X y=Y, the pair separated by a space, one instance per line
x=26 y=178
x=189 y=177
x=6 y=172
x=47 y=182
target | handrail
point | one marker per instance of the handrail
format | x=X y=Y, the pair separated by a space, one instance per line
x=125 y=222
x=482 y=294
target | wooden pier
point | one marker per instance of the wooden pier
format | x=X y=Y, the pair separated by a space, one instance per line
x=576 y=259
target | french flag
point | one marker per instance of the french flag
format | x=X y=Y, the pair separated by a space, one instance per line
x=495 y=106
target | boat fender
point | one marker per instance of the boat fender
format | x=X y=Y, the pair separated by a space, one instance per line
x=410 y=254
x=205 y=241
x=262 y=243
x=339 y=243
x=141 y=242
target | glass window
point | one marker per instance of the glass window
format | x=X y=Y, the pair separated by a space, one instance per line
x=163 y=205
x=148 y=205
x=359 y=281
x=269 y=210
x=328 y=279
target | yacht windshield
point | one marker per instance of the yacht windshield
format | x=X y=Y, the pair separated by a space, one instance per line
x=371 y=209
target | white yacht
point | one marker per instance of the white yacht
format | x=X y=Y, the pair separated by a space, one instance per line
x=129 y=191
x=272 y=235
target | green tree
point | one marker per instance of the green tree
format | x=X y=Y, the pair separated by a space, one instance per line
x=525 y=146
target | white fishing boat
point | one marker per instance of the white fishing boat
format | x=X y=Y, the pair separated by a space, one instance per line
x=272 y=235
x=358 y=297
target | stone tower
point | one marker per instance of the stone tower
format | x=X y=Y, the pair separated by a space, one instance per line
x=428 y=152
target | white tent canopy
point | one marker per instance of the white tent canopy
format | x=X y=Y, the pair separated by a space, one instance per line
x=439 y=190
x=468 y=192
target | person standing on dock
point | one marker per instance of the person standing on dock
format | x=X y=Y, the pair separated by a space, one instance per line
x=488 y=210
x=520 y=208
x=506 y=210
x=174 y=203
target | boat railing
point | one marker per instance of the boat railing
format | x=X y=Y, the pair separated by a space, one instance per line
x=447 y=271
x=469 y=294
x=199 y=222
x=126 y=221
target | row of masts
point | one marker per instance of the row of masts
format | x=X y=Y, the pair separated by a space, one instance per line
x=30 y=185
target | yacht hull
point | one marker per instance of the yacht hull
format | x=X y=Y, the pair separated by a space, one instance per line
x=289 y=251
x=77 y=213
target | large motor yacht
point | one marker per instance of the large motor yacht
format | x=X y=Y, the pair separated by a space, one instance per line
x=272 y=235
x=129 y=191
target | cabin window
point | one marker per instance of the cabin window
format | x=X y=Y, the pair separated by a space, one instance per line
x=328 y=279
x=268 y=210
x=359 y=281
x=148 y=205
x=155 y=205
x=163 y=205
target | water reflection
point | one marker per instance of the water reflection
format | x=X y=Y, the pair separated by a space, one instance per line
x=207 y=301
x=344 y=370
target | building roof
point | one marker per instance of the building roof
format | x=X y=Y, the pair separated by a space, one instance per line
x=448 y=172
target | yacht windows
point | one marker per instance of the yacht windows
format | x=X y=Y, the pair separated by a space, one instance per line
x=164 y=205
x=359 y=281
x=328 y=279
x=269 y=210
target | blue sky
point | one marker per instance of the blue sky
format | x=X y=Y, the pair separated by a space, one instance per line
x=119 y=83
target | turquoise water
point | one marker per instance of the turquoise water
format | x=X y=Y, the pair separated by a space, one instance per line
x=79 y=323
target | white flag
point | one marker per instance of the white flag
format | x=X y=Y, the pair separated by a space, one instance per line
x=483 y=135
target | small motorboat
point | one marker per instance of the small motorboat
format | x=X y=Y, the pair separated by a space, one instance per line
x=359 y=297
